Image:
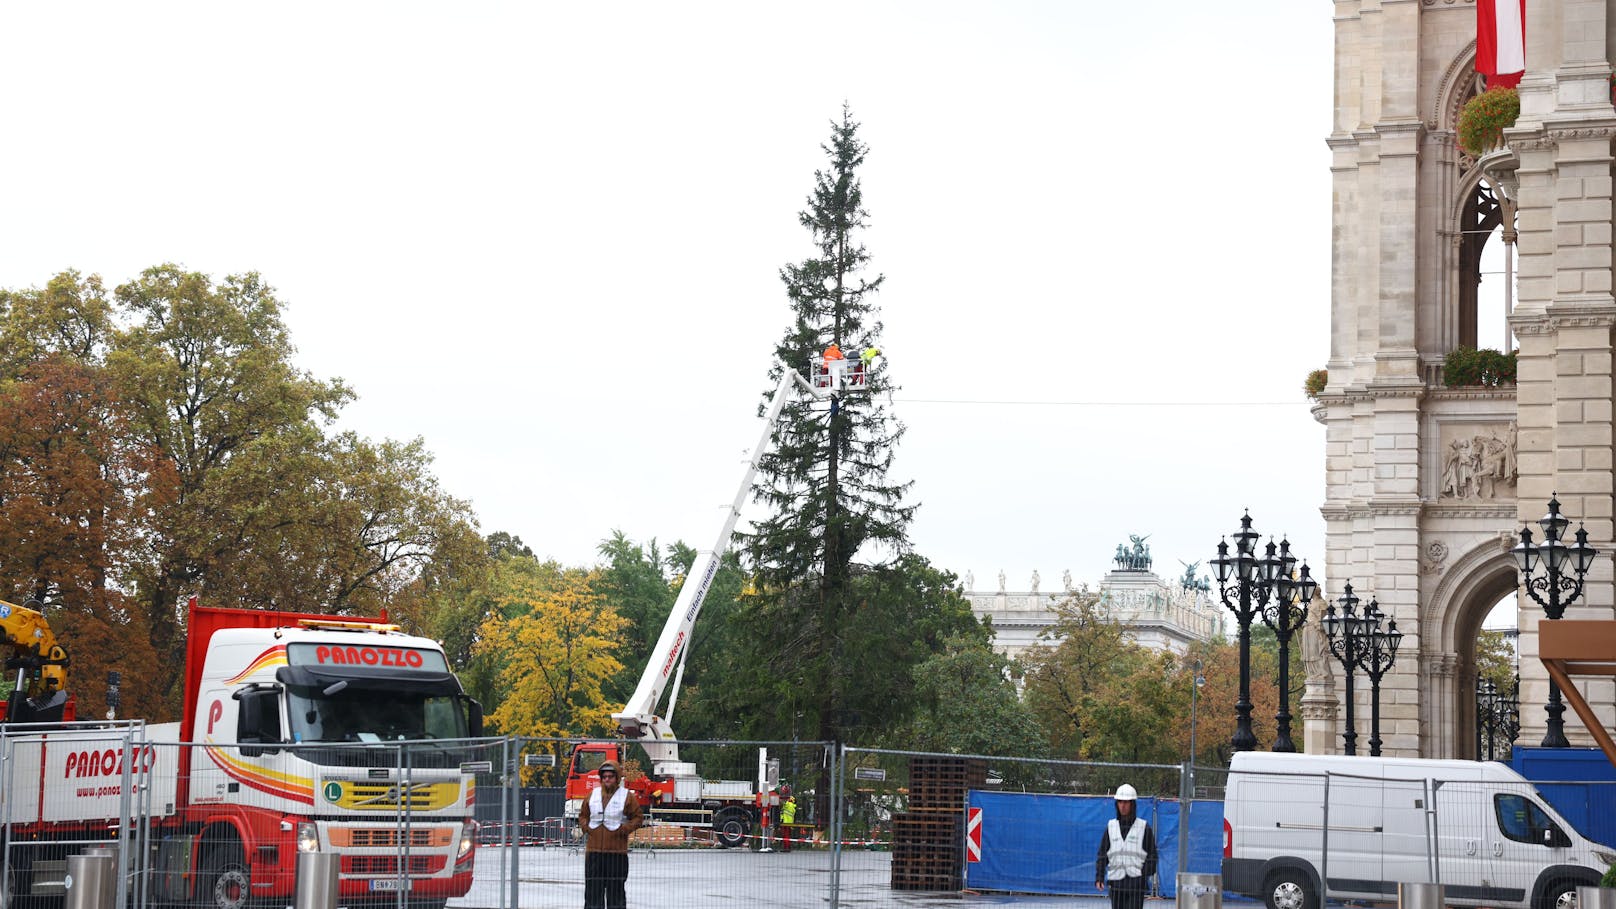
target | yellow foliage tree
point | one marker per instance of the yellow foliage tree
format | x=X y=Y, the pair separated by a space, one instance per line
x=555 y=641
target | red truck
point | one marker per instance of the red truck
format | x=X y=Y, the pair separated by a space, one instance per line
x=290 y=725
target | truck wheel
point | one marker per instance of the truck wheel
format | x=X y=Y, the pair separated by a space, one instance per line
x=1561 y=894
x=1289 y=888
x=731 y=825
x=226 y=881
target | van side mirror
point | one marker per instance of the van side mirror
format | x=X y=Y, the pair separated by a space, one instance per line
x=258 y=720
x=1555 y=838
x=474 y=717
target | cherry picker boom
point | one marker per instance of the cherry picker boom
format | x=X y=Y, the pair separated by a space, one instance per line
x=674 y=790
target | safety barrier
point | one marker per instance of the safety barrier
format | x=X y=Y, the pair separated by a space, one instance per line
x=469 y=823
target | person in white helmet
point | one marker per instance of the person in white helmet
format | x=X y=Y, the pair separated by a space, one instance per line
x=1127 y=857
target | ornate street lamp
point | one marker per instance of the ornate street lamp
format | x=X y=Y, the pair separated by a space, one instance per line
x=1377 y=651
x=1247 y=585
x=1498 y=718
x=1342 y=630
x=1564 y=568
x=1285 y=612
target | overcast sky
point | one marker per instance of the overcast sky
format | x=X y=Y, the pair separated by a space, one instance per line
x=546 y=238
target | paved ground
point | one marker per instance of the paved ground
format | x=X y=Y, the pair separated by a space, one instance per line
x=552 y=878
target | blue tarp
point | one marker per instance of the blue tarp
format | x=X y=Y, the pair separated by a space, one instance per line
x=1589 y=806
x=1047 y=843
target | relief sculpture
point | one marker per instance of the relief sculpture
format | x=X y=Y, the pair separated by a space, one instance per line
x=1478 y=466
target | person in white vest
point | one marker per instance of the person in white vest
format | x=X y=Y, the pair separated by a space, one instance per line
x=607 y=817
x=1127 y=858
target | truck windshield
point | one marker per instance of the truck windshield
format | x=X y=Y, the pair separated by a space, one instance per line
x=364 y=714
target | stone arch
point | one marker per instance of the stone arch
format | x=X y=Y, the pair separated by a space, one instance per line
x=1471 y=586
x=1458 y=84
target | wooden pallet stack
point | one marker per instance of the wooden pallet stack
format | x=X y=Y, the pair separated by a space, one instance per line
x=927 y=841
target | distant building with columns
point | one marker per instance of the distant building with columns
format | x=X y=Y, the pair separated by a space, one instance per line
x=1158 y=614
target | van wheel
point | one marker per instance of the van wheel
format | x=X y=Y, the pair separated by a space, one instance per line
x=1289 y=888
x=1560 y=895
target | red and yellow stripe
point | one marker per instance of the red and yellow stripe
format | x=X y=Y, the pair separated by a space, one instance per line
x=272 y=782
x=274 y=656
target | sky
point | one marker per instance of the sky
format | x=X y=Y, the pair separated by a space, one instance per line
x=546 y=238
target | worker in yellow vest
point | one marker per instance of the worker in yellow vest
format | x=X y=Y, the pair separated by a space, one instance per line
x=788 y=816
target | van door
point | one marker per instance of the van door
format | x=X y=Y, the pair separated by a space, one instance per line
x=1471 y=869
x=1524 y=841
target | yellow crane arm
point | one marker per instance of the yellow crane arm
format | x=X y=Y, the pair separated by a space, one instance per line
x=30 y=635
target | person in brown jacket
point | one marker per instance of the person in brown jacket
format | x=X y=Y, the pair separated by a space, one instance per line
x=607 y=818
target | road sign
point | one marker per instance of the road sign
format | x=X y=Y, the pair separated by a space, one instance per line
x=869 y=773
x=973 y=836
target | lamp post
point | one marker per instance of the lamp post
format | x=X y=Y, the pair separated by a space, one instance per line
x=1343 y=634
x=1564 y=568
x=1377 y=651
x=1195 y=691
x=1498 y=717
x=1286 y=612
x=1247 y=584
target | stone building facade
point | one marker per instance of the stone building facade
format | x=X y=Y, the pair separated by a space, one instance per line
x=1158 y=614
x=1427 y=485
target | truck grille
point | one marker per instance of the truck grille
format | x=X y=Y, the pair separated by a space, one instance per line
x=342 y=837
x=366 y=796
x=388 y=864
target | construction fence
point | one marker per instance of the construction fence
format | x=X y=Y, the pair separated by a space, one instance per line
x=485 y=824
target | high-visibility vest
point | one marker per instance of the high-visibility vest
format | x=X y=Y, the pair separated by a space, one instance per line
x=788 y=812
x=1126 y=857
x=832 y=353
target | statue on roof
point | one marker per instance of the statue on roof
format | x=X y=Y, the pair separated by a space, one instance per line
x=1135 y=559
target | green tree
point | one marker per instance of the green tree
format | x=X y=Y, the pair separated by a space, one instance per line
x=634 y=581
x=824 y=479
x=205 y=372
x=1495 y=658
x=1075 y=674
x=966 y=703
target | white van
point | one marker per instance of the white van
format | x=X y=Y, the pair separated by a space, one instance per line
x=1367 y=824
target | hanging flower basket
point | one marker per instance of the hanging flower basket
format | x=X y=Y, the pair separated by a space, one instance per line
x=1484 y=119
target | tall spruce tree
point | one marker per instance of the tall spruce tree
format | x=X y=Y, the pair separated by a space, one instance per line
x=825 y=477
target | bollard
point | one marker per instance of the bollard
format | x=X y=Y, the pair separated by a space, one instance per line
x=1596 y=898
x=109 y=895
x=1199 y=891
x=1420 y=896
x=90 y=880
x=316 y=881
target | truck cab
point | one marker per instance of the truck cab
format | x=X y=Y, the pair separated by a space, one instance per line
x=292 y=726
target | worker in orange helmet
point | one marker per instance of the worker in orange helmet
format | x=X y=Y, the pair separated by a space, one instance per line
x=834 y=363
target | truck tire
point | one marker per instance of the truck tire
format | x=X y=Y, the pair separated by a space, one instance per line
x=1289 y=888
x=226 y=879
x=731 y=826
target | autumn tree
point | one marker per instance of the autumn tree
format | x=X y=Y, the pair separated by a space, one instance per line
x=555 y=642
x=67 y=464
x=158 y=443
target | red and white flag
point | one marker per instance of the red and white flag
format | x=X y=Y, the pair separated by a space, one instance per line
x=1501 y=41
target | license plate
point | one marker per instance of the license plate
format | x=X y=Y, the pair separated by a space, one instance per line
x=390 y=884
